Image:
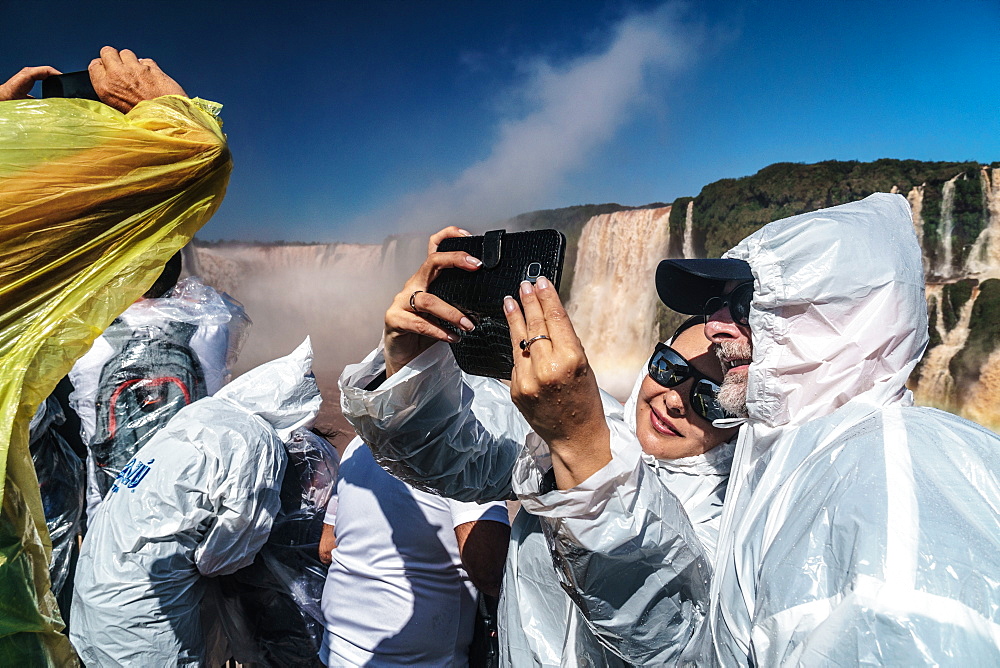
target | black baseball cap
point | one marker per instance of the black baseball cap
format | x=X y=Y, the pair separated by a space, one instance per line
x=685 y=285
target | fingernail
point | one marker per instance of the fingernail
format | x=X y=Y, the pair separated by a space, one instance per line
x=526 y=287
x=452 y=337
x=542 y=283
x=466 y=324
x=509 y=304
x=474 y=261
x=465 y=232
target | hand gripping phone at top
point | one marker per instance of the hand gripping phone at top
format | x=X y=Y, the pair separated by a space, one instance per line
x=508 y=258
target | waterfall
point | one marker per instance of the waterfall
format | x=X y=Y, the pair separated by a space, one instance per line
x=916 y=199
x=980 y=403
x=689 y=231
x=936 y=386
x=614 y=302
x=984 y=256
x=947 y=228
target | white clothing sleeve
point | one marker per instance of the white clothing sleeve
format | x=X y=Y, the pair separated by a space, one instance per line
x=436 y=428
x=463 y=512
x=331 y=510
x=624 y=548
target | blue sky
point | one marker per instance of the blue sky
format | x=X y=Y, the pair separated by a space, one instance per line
x=349 y=121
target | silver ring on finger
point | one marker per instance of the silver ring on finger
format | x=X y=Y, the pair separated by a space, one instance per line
x=413 y=306
x=526 y=343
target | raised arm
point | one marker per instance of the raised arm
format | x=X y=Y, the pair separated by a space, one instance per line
x=622 y=542
x=425 y=421
x=553 y=385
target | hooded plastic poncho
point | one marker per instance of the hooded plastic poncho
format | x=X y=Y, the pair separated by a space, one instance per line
x=462 y=437
x=859 y=529
x=92 y=204
x=197 y=500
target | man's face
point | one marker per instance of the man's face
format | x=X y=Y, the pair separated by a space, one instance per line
x=733 y=346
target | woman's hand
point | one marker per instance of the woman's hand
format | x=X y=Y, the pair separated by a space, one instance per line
x=554 y=387
x=412 y=321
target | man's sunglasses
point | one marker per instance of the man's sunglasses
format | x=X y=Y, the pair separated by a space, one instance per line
x=738 y=302
x=669 y=368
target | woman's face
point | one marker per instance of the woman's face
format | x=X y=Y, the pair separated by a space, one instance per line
x=665 y=424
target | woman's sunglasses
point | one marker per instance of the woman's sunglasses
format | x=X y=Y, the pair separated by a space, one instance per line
x=738 y=302
x=669 y=368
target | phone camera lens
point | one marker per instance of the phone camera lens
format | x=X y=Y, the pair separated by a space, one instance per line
x=534 y=271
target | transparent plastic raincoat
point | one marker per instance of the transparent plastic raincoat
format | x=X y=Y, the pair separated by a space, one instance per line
x=189 y=338
x=62 y=481
x=269 y=613
x=92 y=204
x=198 y=499
x=461 y=436
x=858 y=528
x=655 y=542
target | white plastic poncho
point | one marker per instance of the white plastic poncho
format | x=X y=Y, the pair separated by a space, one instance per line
x=197 y=500
x=858 y=529
x=461 y=436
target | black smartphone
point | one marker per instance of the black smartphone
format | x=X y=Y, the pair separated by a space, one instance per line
x=73 y=84
x=508 y=258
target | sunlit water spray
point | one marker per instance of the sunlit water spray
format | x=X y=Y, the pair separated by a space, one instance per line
x=335 y=293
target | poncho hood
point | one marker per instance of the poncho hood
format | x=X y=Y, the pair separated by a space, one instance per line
x=839 y=311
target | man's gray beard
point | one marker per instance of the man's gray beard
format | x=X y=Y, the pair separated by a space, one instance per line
x=733 y=392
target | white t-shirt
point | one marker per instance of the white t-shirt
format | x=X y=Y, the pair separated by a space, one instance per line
x=396 y=593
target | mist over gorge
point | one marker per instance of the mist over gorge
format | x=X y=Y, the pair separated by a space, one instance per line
x=337 y=293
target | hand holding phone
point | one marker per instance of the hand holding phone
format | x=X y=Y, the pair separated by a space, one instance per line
x=19 y=86
x=508 y=259
x=413 y=322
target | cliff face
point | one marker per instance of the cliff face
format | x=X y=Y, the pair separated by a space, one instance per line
x=956 y=215
x=956 y=211
x=338 y=293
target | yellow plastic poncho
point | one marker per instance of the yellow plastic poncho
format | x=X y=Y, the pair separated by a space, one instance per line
x=92 y=204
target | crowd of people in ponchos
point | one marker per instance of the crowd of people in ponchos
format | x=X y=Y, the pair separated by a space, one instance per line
x=768 y=495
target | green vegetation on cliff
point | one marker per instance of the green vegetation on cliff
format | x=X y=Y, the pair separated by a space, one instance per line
x=728 y=210
x=678 y=217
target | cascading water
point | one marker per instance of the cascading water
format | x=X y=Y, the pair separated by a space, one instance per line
x=689 y=231
x=614 y=302
x=944 y=268
x=984 y=256
x=982 y=401
x=936 y=386
x=916 y=199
